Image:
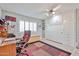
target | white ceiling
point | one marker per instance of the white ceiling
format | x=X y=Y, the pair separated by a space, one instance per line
x=28 y=9
x=32 y=9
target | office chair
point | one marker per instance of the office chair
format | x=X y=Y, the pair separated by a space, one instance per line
x=23 y=44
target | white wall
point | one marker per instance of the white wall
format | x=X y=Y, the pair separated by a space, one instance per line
x=0 y=12
x=63 y=33
x=77 y=26
x=22 y=17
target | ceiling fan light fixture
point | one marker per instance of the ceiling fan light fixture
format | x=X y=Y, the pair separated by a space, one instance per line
x=53 y=12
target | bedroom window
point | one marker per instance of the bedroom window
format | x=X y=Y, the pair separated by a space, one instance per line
x=25 y=25
x=33 y=26
x=21 y=26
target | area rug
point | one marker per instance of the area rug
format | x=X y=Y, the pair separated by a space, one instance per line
x=42 y=49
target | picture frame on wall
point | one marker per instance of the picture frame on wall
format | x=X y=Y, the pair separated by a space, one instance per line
x=10 y=18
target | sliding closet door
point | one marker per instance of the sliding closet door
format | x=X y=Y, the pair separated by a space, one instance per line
x=69 y=28
x=63 y=32
x=54 y=29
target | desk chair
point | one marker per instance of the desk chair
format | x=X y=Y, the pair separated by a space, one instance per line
x=23 y=44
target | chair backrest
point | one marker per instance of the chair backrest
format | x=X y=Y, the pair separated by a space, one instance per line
x=26 y=36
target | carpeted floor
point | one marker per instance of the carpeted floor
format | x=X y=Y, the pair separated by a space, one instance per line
x=42 y=49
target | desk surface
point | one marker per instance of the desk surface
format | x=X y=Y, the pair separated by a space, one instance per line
x=9 y=41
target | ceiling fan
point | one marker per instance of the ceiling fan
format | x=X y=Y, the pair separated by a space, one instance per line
x=52 y=11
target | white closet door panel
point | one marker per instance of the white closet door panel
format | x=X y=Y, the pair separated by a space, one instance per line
x=54 y=32
x=68 y=28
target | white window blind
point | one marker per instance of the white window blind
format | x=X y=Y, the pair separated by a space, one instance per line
x=21 y=26
x=35 y=26
x=25 y=25
x=31 y=26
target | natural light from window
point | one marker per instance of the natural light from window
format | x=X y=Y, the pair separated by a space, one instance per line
x=25 y=25
x=21 y=26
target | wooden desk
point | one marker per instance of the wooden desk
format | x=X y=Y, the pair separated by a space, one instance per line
x=8 y=48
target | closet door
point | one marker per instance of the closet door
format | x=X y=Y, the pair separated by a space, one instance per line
x=63 y=33
x=57 y=33
x=54 y=31
x=69 y=28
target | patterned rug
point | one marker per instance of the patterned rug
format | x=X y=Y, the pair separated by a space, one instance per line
x=42 y=49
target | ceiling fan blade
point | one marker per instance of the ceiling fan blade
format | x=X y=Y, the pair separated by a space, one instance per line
x=57 y=7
